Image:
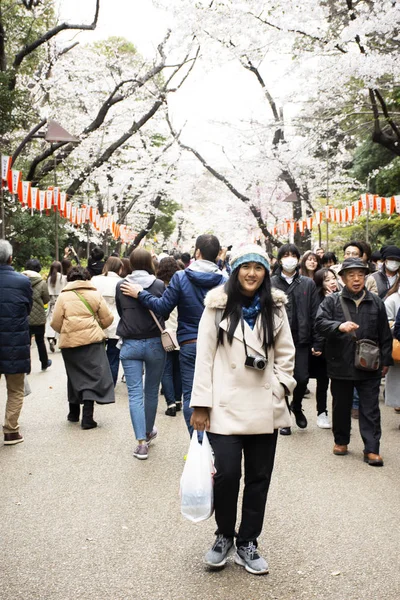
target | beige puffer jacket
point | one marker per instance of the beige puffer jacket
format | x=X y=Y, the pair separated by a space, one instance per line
x=73 y=320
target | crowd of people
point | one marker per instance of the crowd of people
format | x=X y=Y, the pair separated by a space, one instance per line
x=252 y=330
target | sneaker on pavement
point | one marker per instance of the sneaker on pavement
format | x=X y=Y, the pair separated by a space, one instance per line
x=178 y=404
x=10 y=439
x=151 y=436
x=141 y=452
x=52 y=345
x=323 y=421
x=217 y=556
x=49 y=363
x=247 y=556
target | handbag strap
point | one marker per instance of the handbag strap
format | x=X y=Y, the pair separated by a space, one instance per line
x=156 y=321
x=90 y=309
x=347 y=315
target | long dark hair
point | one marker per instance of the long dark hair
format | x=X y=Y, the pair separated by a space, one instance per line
x=55 y=268
x=303 y=269
x=233 y=309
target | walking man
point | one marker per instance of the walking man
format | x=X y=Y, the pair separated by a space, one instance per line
x=15 y=306
x=186 y=290
x=342 y=319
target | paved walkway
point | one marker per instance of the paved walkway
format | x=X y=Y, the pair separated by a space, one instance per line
x=82 y=519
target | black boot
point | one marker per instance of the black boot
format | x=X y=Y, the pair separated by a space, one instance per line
x=87 y=416
x=74 y=412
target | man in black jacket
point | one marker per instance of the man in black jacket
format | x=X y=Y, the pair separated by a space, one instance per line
x=368 y=320
x=301 y=310
x=15 y=352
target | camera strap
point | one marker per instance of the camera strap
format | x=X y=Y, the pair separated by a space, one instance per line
x=244 y=339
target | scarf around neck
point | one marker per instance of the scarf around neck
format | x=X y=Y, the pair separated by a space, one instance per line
x=250 y=313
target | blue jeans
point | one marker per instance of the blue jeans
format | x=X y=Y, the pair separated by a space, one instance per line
x=187 y=360
x=171 y=380
x=113 y=357
x=143 y=403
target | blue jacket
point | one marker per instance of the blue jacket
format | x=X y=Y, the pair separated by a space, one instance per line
x=15 y=306
x=186 y=290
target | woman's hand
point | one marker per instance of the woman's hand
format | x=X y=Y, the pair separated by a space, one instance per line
x=131 y=289
x=200 y=418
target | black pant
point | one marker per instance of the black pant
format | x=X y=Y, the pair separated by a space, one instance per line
x=301 y=376
x=321 y=393
x=259 y=454
x=38 y=332
x=369 y=413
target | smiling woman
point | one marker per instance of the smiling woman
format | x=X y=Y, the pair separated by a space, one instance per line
x=243 y=373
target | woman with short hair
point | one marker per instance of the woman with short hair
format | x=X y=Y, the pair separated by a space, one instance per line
x=80 y=316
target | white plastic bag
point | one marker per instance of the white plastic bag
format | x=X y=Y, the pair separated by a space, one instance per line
x=196 y=488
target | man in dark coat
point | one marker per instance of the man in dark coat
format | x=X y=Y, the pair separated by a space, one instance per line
x=15 y=306
x=368 y=320
x=301 y=309
x=186 y=290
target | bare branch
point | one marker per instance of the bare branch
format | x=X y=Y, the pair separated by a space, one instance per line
x=27 y=139
x=299 y=31
x=256 y=212
x=29 y=48
x=104 y=157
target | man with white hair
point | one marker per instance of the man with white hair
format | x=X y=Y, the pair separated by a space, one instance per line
x=15 y=361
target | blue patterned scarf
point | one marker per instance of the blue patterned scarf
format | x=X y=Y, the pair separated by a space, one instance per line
x=250 y=313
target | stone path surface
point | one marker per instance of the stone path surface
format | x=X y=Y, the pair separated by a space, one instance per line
x=82 y=519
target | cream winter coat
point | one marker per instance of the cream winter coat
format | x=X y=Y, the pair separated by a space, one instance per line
x=106 y=285
x=73 y=320
x=243 y=400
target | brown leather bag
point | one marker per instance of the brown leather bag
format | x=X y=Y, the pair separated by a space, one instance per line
x=367 y=356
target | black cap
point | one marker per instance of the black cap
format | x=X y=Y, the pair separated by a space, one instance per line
x=390 y=252
x=353 y=263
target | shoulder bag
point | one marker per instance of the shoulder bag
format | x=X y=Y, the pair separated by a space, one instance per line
x=90 y=309
x=367 y=355
x=168 y=336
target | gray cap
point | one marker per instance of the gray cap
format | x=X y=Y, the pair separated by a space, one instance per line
x=353 y=263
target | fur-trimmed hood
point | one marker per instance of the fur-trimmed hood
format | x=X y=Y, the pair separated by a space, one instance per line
x=216 y=298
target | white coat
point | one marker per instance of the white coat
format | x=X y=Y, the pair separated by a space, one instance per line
x=106 y=285
x=243 y=400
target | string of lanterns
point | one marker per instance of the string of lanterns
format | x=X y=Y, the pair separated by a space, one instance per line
x=54 y=199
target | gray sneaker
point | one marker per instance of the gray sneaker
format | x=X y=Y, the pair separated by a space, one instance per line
x=217 y=556
x=151 y=436
x=248 y=557
x=141 y=452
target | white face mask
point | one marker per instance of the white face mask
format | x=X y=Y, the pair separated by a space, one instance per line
x=289 y=263
x=392 y=265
